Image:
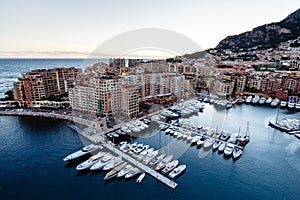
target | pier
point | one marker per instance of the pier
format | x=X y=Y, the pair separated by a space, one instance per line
x=111 y=146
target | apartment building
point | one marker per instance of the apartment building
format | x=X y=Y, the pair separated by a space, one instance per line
x=40 y=84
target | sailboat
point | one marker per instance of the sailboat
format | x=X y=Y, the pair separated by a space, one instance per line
x=242 y=141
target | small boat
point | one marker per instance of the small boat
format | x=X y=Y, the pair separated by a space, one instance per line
x=222 y=147
x=237 y=152
x=164 y=162
x=132 y=173
x=140 y=178
x=275 y=103
x=195 y=140
x=216 y=144
x=255 y=99
x=229 y=149
x=269 y=101
x=291 y=105
x=124 y=171
x=228 y=105
x=262 y=101
x=283 y=104
x=178 y=170
x=297 y=106
x=114 y=171
x=249 y=99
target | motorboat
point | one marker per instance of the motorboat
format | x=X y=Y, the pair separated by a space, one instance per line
x=179 y=136
x=140 y=178
x=208 y=142
x=113 y=163
x=249 y=99
x=102 y=162
x=195 y=140
x=229 y=149
x=216 y=144
x=149 y=156
x=255 y=99
x=170 y=166
x=114 y=171
x=291 y=105
x=157 y=159
x=164 y=162
x=222 y=147
x=145 y=152
x=134 y=128
x=124 y=171
x=201 y=141
x=275 y=103
x=233 y=138
x=228 y=105
x=283 y=104
x=177 y=171
x=262 y=101
x=269 y=101
x=132 y=173
x=297 y=106
x=237 y=152
x=90 y=162
x=84 y=151
x=126 y=129
x=224 y=136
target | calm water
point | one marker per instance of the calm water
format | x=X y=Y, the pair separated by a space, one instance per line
x=31 y=166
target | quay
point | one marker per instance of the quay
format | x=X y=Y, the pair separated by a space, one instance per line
x=98 y=139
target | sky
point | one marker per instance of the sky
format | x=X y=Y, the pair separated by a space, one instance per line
x=75 y=28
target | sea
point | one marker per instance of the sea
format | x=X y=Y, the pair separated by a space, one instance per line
x=32 y=149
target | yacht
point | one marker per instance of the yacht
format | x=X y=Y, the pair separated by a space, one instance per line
x=275 y=103
x=170 y=166
x=229 y=105
x=216 y=144
x=233 y=138
x=297 y=106
x=208 y=142
x=84 y=151
x=255 y=99
x=132 y=173
x=164 y=162
x=269 y=101
x=102 y=162
x=195 y=140
x=249 y=99
x=90 y=162
x=262 y=101
x=126 y=129
x=157 y=159
x=229 y=149
x=291 y=105
x=113 y=163
x=237 y=152
x=141 y=178
x=222 y=147
x=224 y=136
x=178 y=170
x=283 y=104
x=179 y=136
x=149 y=156
x=201 y=141
x=124 y=171
x=144 y=153
x=114 y=171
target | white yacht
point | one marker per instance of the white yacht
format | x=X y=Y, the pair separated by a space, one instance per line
x=90 y=162
x=201 y=141
x=141 y=178
x=275 y=103
x=216 y=144
x=233 y=138
x=229 y=149
x=113 y=163
x=84 y=151
x=170 y=166
x=126 y=129
x=249 y=99
x=195 y=139
x=178 y=170
x=208 y=143
x=283 y=104
x=255 y=99
x=269 y=101
x=132 y=173
x=291 y=105
x=156 y=160
x=262 y=101
x=164 y=162
x=125 y=170
x=102 y=162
